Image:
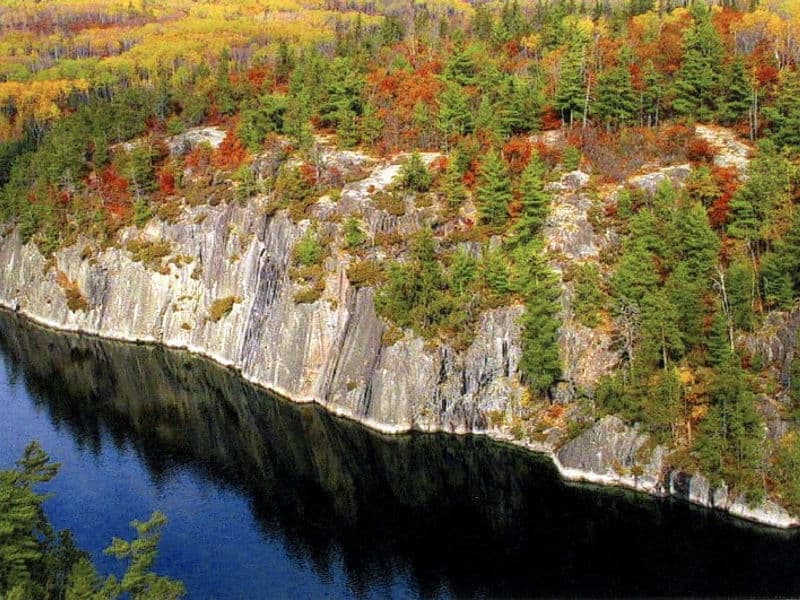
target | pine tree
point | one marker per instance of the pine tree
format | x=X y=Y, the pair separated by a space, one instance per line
x=495 y=273
x=776 y=281
x=788 y=253
x=535 y=202
x=488 y=119
x=570 y=92
x=784 y=115
x=494 y=190
x=139 y=581
x=523 y=105
x=414 y=175
x=540 y=362
x=225 y=100
x=663 y=405
x=660 y=329
x=697 y=83
x=635 y=276
x=738 y=94
x=718 y=339
x=455 y=118
x=652 y=95
x=731 y=441
x=686 y=293
x=296 y=121
x=698 y=245
x=461 y=68
x=744 y=213
x=452 y=184
x=741 y=289
x=370 y=126
x=617 y=103
x=463 y=271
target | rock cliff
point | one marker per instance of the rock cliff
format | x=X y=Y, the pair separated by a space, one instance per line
x=216 y=280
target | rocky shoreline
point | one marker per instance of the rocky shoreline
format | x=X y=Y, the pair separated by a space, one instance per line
x=602 y=455
x=165 y=284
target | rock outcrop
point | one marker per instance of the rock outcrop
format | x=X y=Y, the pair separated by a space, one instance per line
x=217 y=281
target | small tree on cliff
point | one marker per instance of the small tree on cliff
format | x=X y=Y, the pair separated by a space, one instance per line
x=494 y=191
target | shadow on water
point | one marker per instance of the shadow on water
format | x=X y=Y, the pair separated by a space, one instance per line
x=459 y=515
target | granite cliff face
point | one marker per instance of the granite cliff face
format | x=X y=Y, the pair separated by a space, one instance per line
x=329 y=351
x=333 y=351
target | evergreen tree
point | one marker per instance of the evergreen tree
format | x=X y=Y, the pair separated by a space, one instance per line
x=462 y=68
x=452 y=184
x=570 y=98
x=296 y=120
x=697 y=83
x=718 y=339
x=652 y=95
x=535 y=202
x=495 y=274
x=488 y=119
x=540 y=362
x=685 y=293
x=635 y=276
x=662 y=407
x=589 y=296
x=463 y=271
x=784 y=115
x=414 y=295
x=730 y=443
x=698 y=245
x=701 y=187
x=370 y=126
x=617 y=103
x=660 y=328
x=741 y=286
x=259 y=121
x=760 y=206
x=139 y=581
x=776 y=281
x=494 y=190
x=455 y=117
x=414 y=175
x=788 y=254
x=224 y=96
x=737 y=96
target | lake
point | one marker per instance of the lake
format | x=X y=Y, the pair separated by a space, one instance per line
x=266 y=498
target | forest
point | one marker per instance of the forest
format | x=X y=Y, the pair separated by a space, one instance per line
x=510 y=96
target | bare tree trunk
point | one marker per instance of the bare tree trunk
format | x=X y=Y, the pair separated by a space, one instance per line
x=726 y=306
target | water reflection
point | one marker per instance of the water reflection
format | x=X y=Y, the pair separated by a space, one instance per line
x=451 y=515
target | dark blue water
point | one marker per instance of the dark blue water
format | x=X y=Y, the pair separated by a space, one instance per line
x=269 y=499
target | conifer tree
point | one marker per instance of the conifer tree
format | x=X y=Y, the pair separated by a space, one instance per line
x=452 y=184
x=730 y=444
x=535 y=202
x=697 y=83
x=776 y=281
x=463 y=271
x=454 y=118
x=685 y=293
x=718 y=339
x=461 y=68
x=494 y=190
x=616 y=104
x=737 y=94
x=651 y=95
x=540 y=362
x=784 y=115
x=698 y=245
x=660 y=328
x=570 y=92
